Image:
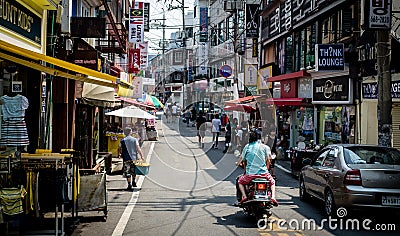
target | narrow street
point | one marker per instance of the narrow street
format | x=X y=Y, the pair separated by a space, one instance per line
x=190 y=191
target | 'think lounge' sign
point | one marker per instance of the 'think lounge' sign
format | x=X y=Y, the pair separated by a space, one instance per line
x=329 y=57
x=370 y=90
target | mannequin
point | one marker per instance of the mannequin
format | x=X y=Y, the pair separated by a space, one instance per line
x=13 y=126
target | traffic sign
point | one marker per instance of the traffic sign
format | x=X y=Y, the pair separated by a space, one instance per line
x=225 y=71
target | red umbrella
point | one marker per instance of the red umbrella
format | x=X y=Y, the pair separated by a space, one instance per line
x=240 y=107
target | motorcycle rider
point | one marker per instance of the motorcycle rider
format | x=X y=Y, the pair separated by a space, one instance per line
x=256 y=154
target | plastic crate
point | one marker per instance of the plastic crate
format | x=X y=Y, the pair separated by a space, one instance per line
x=142 y=168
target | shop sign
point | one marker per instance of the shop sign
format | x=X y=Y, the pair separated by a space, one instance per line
x=379 y=14
x=370 y=90
x=86 y=58
x=252 y=20
x=329 y=57
x=289 y=88
x=203 y=24
x=305 y=90
x=332 y=91
x=20 y=20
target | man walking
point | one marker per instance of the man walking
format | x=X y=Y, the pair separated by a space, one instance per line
x=129 y=149
x=201 y=128
x=215 y=129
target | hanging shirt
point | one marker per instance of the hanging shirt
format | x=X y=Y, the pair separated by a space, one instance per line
x=11 y=200
x=14 y=107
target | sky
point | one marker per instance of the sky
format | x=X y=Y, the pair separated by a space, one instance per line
x=173 y=19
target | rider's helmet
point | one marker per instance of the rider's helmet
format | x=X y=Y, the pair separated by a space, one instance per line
x=254 y=135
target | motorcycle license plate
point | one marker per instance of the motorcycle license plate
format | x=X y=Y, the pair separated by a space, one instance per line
x=260 y=192
x=391 y=200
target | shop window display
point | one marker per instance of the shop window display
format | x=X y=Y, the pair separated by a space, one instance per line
x=338 y=124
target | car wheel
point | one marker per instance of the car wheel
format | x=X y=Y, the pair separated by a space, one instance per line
x=330 y=206
x=302 y=191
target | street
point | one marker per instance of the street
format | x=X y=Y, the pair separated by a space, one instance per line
x=190 y=191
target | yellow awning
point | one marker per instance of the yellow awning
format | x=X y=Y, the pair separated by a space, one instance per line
x=124 y=91
x=55 y=72
x=110 y=81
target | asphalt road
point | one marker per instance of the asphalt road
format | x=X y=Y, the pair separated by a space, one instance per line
x=189 y=191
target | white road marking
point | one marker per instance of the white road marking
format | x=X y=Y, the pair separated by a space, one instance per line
x=123 y=221
x=283 y=168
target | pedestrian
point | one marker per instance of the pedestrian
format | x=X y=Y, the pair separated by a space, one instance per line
x=129 y=149
x=193 y=116
x=227 y=136
x=271 y=142
x=187 y=117
x=215 y=129
x=201 y=128
x=238 y=137
x=174 y=109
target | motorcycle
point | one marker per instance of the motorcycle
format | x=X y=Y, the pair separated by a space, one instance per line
x=258 y=203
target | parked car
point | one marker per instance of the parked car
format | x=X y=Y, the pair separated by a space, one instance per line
x=352 y=176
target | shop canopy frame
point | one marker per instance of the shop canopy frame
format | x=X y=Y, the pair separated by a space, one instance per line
x=96 y=77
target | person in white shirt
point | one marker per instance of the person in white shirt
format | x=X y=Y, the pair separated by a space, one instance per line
x=239 y=135
x=215 y=129
x=174 y=112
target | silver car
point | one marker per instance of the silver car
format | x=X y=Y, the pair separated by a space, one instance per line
x=351 y=176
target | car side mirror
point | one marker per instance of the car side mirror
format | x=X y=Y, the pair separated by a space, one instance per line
x=307 y=161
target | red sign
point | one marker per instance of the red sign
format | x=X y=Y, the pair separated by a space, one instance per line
x=134 y=60
x=289 y=88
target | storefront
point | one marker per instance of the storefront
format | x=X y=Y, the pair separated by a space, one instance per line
x=294 y=112
x=336 y=112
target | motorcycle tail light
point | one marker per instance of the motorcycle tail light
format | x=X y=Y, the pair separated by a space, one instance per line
x=261 y=186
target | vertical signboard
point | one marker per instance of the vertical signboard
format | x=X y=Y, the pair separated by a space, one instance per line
x=250 y=74
x=133 y=60
x=136 y=23
x=203 y=58
x=190 y=65
x=379 y=14
x=143 y=47
x=203 y=24
x=252 y=20
x=146 y=16
x=263 y=75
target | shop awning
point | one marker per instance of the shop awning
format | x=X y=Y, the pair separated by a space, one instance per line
x=98 y=95
x=240 y=107
x=97 y=77
x=294 y=75
x=243 y=100
x=288 y=101
x=134 y=102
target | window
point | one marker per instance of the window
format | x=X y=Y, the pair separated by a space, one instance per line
x=325 y=28
x=221 y=32
x=320 y=158
x=178 y=57
x=329 y=161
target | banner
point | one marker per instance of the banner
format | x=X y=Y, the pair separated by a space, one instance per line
x=252 y=21
x=146 y=16
x=263 y=75
x=250 y=74
x=203 y=24
x=143 y=54
x=133 y=60
x=136 y=23
x=203 y=58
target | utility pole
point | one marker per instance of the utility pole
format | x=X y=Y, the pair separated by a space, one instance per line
x=164 y=60
x=384 y=88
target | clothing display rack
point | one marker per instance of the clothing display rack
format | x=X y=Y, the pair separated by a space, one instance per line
x=56 y=162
